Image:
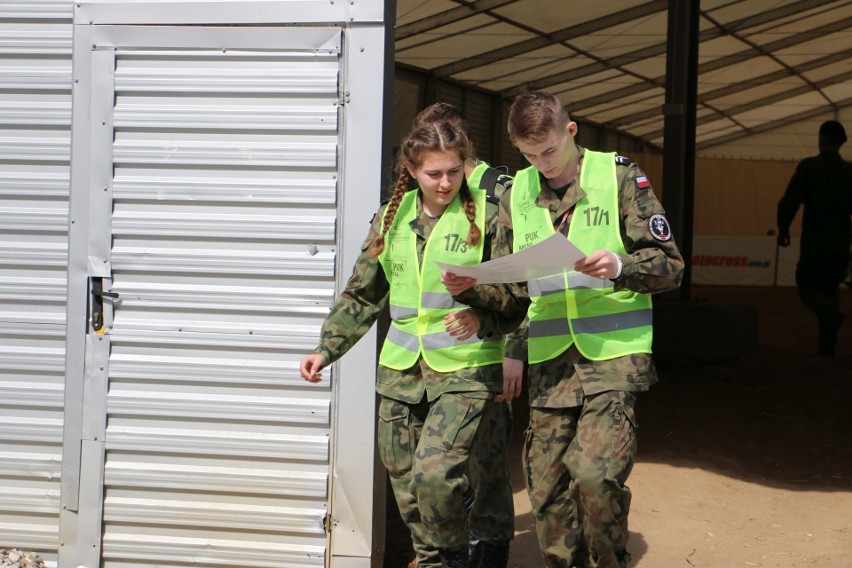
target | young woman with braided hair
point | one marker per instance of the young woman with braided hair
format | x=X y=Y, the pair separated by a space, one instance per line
x=438 y=196
x=491 y=522
x=440 y=366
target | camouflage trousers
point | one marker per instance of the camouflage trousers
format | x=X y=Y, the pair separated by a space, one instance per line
x=576 y=463
x=448 y=470
x=492 y=515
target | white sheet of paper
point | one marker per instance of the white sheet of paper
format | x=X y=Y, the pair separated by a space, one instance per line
x=550 y=256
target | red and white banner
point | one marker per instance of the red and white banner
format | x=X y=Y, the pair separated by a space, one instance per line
x=788 y=257
x=743 y=261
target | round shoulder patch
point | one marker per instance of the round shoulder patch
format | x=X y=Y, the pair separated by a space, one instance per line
x=659 y=227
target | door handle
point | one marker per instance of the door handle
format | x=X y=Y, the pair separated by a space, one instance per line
x=97 y=303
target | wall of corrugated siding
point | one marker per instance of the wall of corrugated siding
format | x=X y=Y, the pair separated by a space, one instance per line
x=35 y=123
x=225 y=174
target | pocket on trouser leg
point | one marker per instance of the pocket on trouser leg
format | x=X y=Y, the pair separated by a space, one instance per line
x=623 y=454
x=492 y=515
x=604 y=493
x=440 y=468
x=554 y=508
x=454 y=422
x=396 y=446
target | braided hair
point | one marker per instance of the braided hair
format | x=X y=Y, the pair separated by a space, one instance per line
x=439 y=136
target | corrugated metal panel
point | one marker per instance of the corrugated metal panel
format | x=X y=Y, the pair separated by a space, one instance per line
x=223 y=234
x=40 y=10
x=35 y=123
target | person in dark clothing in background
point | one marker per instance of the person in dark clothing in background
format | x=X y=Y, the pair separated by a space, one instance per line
x=823 y=184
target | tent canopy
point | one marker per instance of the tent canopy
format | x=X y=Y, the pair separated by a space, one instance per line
x=770 y=71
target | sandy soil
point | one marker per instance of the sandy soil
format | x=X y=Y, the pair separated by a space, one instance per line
x=741 y=464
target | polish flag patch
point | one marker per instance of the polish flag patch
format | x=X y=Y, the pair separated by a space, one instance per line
x=642 y=182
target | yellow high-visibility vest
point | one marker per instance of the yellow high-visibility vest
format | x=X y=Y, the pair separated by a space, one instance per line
x=572 y=307
x=418 y=300
x=476 y=173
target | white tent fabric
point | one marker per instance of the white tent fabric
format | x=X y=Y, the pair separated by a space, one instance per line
x=770 y=71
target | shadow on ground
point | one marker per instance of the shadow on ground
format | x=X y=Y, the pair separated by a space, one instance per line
x=776 y=415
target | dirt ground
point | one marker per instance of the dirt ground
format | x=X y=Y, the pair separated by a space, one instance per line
x=744 y=463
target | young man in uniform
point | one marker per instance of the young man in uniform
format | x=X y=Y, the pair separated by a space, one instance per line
x=589 y=337
x=823 y=184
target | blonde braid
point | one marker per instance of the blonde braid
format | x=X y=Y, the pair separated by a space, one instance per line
x=401 y=186
x=474 y=234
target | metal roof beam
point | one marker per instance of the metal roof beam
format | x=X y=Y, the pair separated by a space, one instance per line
x=768 y=100
x=660 y=48
x=547 y=39
x=766 y=127
x=763 y=52
x=733 y=59
x=466 y=10
x=618 y=94
x=777 y=97
x=730 y=89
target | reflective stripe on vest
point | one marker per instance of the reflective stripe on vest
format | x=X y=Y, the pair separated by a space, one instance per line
x=431 y=341
x=398 y=312
x=573 y=307
x=556 y=284
x=592 y=324
x=418 y=300
x=429 y=300
x=440 y=301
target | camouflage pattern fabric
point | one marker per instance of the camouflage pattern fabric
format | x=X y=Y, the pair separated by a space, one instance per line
x=568 y=379
x=492 y=516
x=582 y=455
x=409 y=395
x=651 y=266
x=581 y=444
x=500 y=309
x=400 y=427
x=426 y=448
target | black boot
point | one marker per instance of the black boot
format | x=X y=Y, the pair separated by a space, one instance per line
x=454 y=558
x=828 y=330
x=489 y=554
x=475 y=552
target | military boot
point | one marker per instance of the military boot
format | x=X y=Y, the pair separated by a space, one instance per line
x=828 y=331
x=454 y=558
x=489 y=554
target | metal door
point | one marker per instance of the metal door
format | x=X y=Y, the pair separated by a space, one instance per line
x=202 y=260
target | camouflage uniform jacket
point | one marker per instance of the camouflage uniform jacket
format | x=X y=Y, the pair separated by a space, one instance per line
x=650 y=266
x=366 y=295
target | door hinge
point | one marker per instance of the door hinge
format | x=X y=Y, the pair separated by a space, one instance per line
x=328 y=522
